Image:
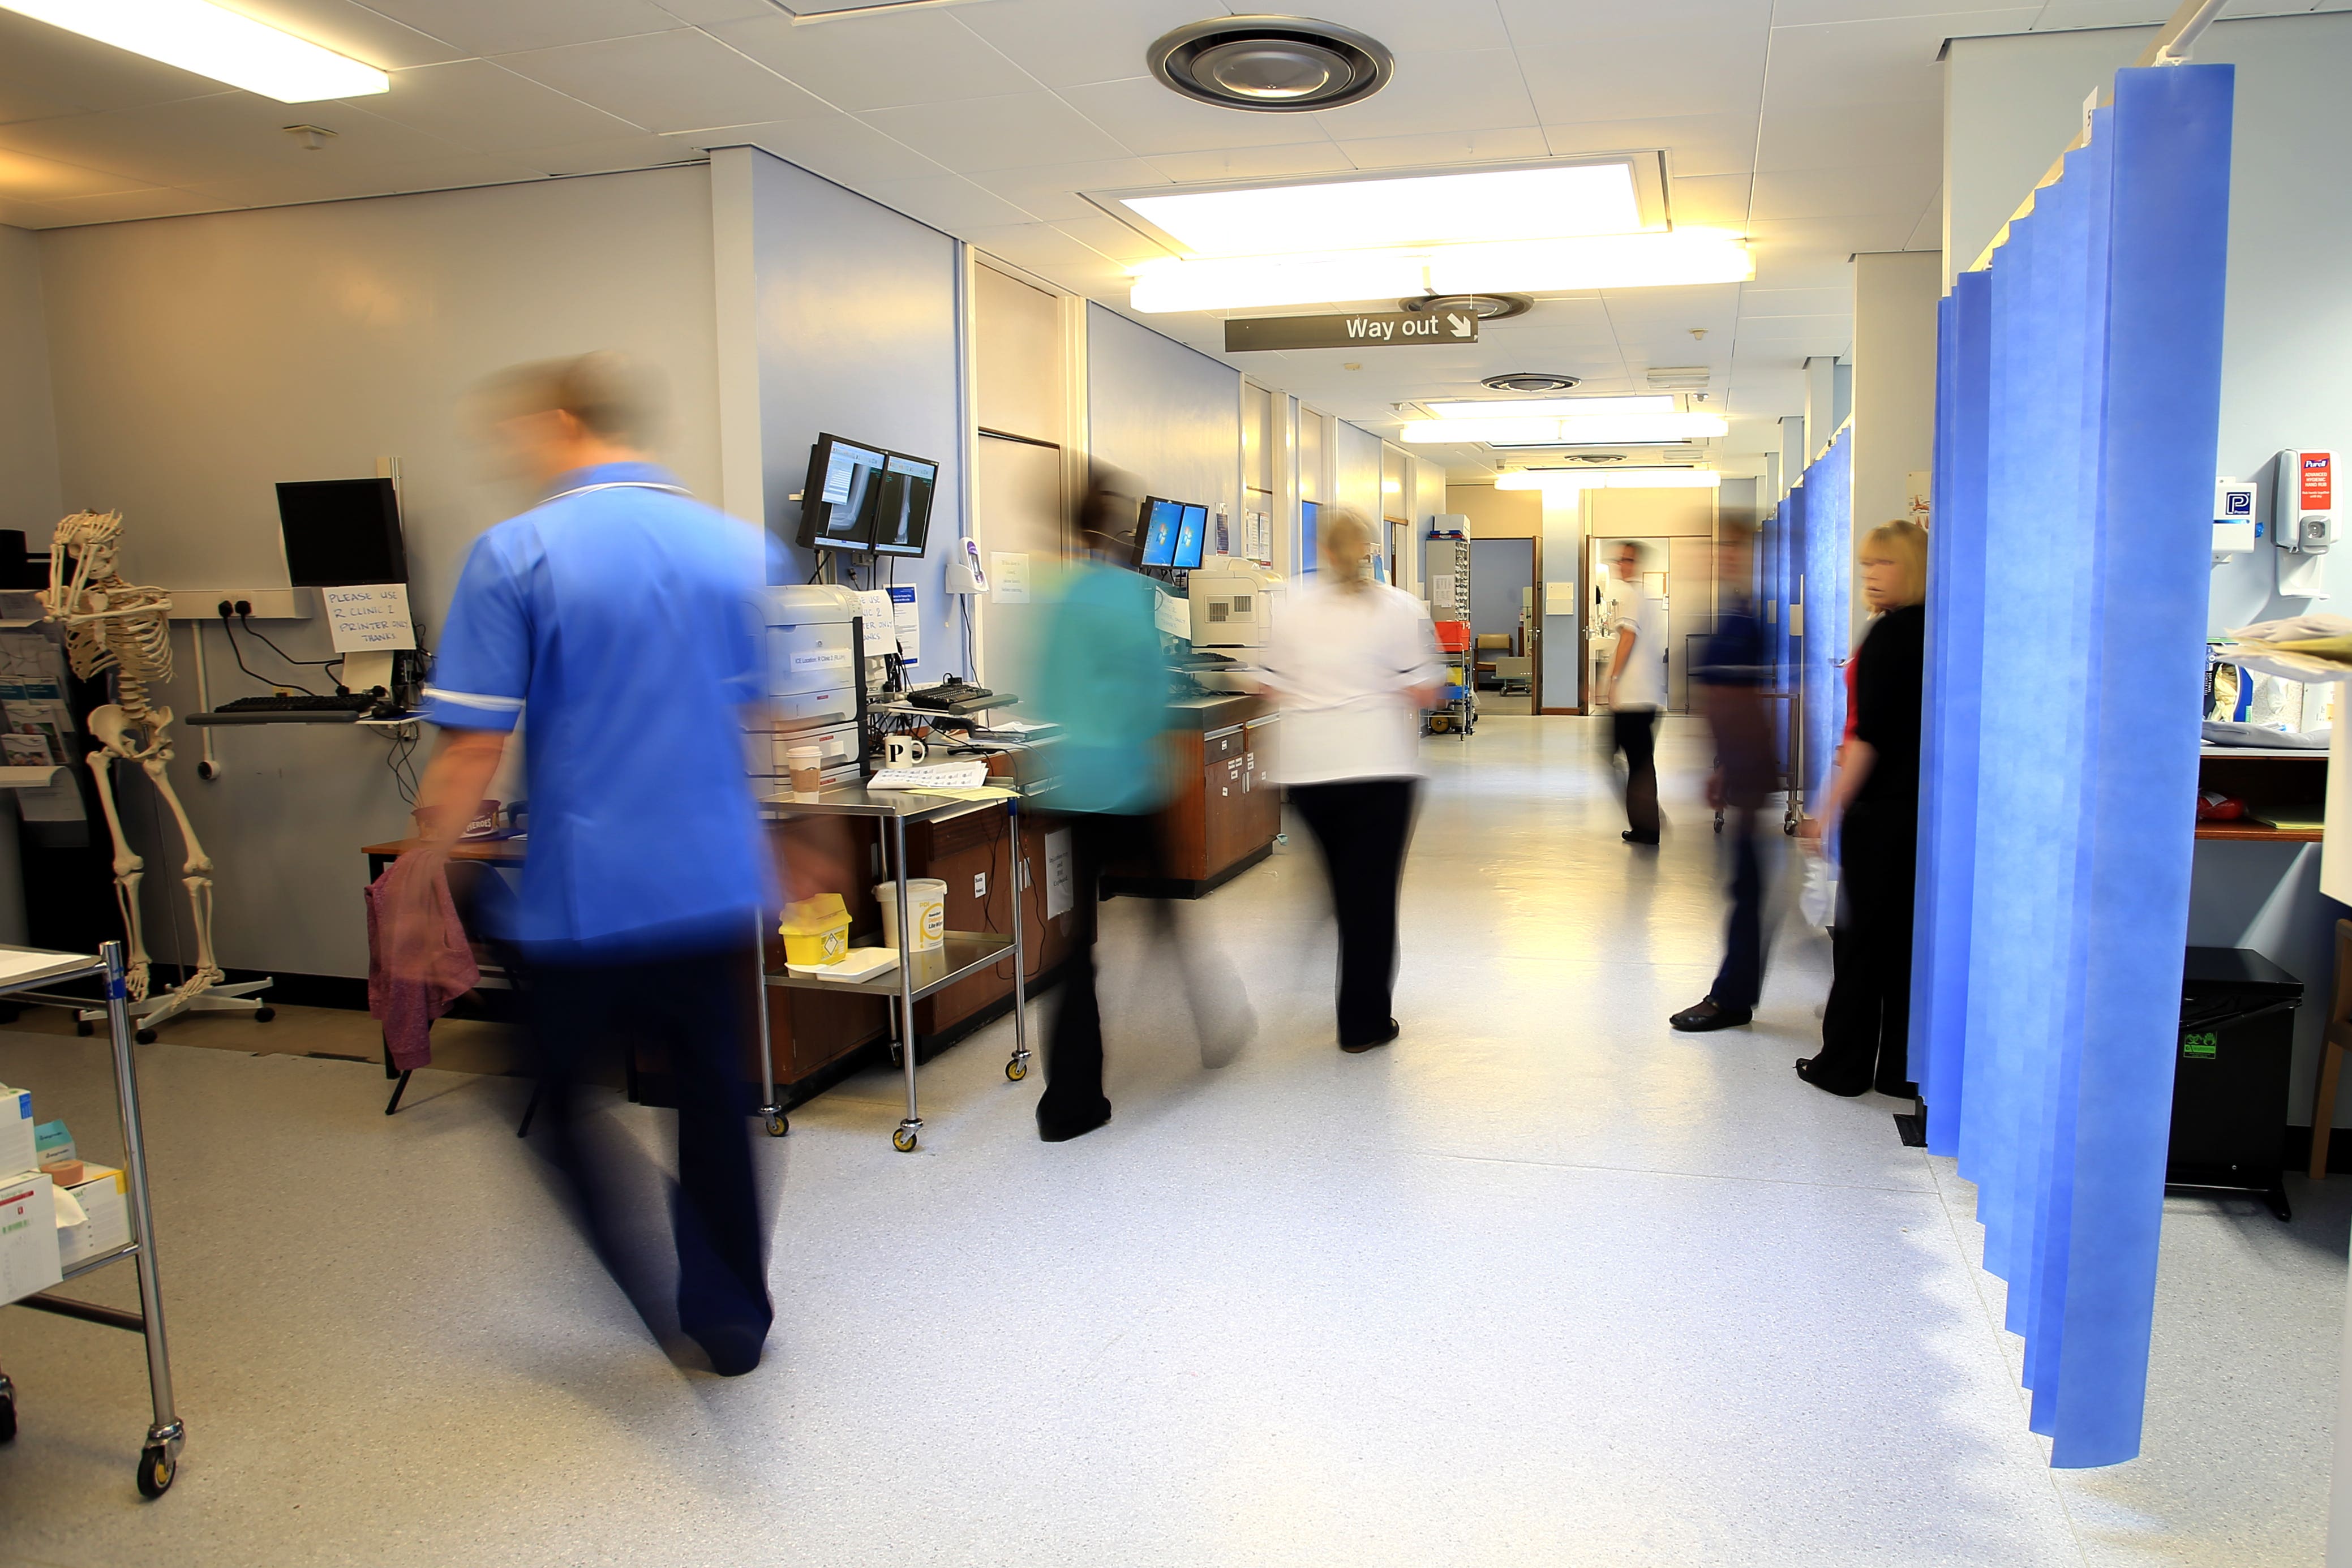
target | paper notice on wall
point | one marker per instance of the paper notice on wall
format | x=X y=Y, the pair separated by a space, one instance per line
x=1061 y=885
x=1008 y=576
x=1441 y=589
x=1559 y=599
x=369 y=617
x=1171 y=614
x=880 y=621
x=908 y=620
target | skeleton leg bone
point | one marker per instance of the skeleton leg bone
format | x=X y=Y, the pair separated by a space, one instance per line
x=196 y=877
x=128 y=869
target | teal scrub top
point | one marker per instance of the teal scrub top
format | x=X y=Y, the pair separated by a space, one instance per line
x=1101 y=677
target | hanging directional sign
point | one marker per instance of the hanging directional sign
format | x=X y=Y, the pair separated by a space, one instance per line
x=1368 y=329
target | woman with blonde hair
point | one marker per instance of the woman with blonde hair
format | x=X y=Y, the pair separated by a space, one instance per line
x=1874 y=806
x=1352 y=666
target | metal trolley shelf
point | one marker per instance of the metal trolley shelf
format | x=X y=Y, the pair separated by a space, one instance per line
x=159 y=1460
x=963 y=954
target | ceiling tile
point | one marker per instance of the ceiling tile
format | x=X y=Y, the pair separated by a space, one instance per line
x=1928 y=234
x=1805 y=12
x=679 y=81
x=706 y=13
x=1755 y=302
x=1841 y=236
x=1648 y=75
x=880 y=62
x=947 y=201
x=288 y=187
x=1716 y=201
x=1415 y=25
x=1062 y=43
x=1315 y=157
x=608 y=156
x=1471 y=89
x=28 y=214
x=1517 y=144
x=1150 y=120
x=361 y=32
x=2068 y=15
x=25 y=177
x=1879 y=62
x=126 y=207
x=485 y=107
x=1111 y=238
x=840 y=147
x=1604 y=25
x=1040 y=248
x=69 y=68
x=1845 y=192
x=232 y=135
x=19 y=102
x=1696 y=144
x=501 y=26
x=1857 y=135
x=1020 y=130
x=1051 y=192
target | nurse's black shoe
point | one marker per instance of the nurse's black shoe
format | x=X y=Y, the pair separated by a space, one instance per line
x=1056 y=1126
x=1631 y=837
x=733 y=1348
x=1805 y=1071
x=1707 y=1016
x=1361 y=1045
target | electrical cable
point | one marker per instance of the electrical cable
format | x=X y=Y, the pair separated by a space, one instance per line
x=229 y=627
x=246 y=622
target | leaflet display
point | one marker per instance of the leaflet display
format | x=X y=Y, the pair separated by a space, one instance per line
x=838 y=501
x=1191 y=536
x=1161 y=519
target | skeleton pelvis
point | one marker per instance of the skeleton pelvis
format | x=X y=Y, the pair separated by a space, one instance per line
x=121 y=734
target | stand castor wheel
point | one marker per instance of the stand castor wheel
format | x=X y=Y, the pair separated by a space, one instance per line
x=84 y=1027
x=777 y=1125
x=1017 y=1069
x=263 y=1015
x=143 y=1036
x=903 y=1140
x=157 y=1469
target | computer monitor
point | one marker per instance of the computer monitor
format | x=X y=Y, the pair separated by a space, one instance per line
x=1192 y=537
x=838 y=499
x=1160 y=523
x=1309 y=513
x=340 y=532
x=902 y=507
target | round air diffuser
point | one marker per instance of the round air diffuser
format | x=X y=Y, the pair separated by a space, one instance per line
x=1485 y=307
x=1530 y=381
x=1277 y=65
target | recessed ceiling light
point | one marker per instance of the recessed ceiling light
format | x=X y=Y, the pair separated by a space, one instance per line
x=213 y=41
x=1609 y=429
x=1525 y=266
x=1552 y=202
x=1620 y=479
x=1530 y=381
x=1278 y=65
x=1541 y=407
x=1485 y=307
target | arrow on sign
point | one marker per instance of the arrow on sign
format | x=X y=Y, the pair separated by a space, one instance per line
x=1461 y=324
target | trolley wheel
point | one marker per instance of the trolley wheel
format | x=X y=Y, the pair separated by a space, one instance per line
x=84 y=1027
x=1790 y=828
x=157 y=1469
x=143 y=1036
x=778 y=1126
x=263 y=1015
x=903 y=1140
x=1017 y=1069
x=7 y=1412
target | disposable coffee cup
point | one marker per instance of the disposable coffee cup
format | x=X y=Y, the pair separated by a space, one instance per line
x=806 y=764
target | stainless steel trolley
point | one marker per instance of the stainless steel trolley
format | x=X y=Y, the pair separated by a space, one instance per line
x=919 y=974
x=159 y=1460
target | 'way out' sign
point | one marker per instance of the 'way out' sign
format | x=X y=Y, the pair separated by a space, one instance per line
x=1373 y=329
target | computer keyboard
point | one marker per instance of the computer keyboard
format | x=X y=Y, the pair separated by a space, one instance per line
x=298 y=702
x=953 y=695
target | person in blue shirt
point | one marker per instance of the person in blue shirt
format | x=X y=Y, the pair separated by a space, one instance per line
x=618 y=620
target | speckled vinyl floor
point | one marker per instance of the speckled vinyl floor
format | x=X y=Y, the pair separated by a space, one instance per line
x=1542 y=1283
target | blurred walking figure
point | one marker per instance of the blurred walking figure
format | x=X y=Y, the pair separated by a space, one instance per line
x=1102 y=677
x=1873 y=807
x=1637 y=690
x=1352 y=666
x=618 y=614
x=1730 y=681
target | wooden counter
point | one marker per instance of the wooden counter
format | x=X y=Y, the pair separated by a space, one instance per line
x=1224 y=811
x=2282 y=781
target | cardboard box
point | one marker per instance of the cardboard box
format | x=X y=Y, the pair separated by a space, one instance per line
x=28 y=1229
x=105 y=1199
x=18 y=1144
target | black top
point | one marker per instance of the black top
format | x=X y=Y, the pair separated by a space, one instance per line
x=1890 y=669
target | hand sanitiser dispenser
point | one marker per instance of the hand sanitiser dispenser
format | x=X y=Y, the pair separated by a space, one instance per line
x=2303 y=520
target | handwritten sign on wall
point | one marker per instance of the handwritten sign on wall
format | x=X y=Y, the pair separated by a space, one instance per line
x=369 y=617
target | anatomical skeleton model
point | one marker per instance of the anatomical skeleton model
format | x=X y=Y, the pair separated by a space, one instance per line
x=110 y=624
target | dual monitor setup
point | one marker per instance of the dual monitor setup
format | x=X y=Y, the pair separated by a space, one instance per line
x=1172 y=534
x=866 y=500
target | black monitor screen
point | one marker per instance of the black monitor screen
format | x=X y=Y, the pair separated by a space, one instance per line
x=1191 y=536
x=1159 y=522
x=902 y=509
x=837 y=502
x=340 y=532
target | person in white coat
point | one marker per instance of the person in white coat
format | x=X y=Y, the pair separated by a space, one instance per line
x=1352 y=664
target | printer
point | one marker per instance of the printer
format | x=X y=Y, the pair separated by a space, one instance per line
x=817 y=681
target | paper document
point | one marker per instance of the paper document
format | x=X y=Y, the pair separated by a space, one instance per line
x=1008 y=575
x=947 y=775
x=1171 y=614
x=908 y=620
x=367 y=618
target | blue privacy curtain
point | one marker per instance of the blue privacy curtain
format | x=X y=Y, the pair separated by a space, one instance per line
x=2080 y=382
x=1828 y=491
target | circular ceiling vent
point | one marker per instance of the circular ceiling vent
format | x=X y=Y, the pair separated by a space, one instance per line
x=1271 y=64
x=1485 y=307
x=1530 y=381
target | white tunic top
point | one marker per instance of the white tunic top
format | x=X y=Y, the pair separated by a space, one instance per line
x=1642 y=682
x=1343 y=665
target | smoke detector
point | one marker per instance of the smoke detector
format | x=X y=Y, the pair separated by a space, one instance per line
x=1485 y=307
x=1271 y=65
x=1530 y=381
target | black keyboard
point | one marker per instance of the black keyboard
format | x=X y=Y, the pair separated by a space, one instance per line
x=956 y=697
x=299 y=703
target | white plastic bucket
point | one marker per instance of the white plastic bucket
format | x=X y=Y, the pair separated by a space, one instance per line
x=927 y=901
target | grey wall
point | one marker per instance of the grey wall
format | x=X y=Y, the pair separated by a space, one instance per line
x=1355 y=468
x=1166 y=415
x=29 y=426
x=199 y=360
x=2287 y=358
x=1499 y=570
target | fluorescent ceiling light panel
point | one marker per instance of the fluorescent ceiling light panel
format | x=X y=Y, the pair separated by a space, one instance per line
x=1429 y=209
x=1529 y=266
x=1541 y=407
x=1619 y=480
x=1602 y=430
x=213 y=41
